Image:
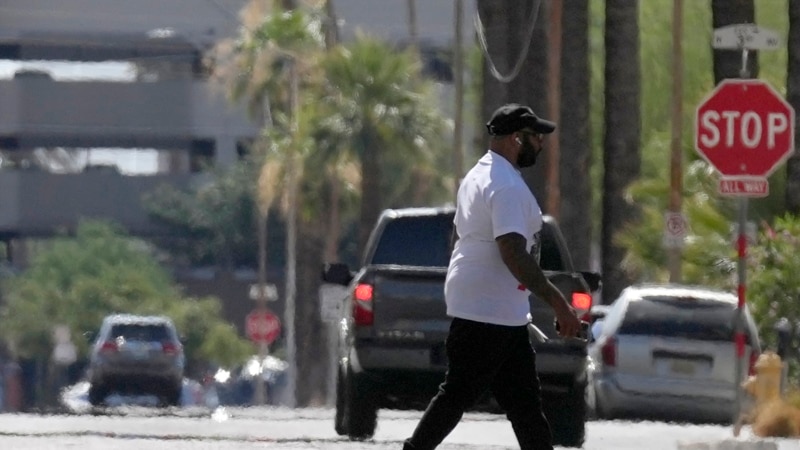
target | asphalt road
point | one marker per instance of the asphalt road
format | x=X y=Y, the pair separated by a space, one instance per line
x=198 y=428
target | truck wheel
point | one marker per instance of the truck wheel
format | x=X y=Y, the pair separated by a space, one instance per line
x=172 y=395
x=359 y=413
x=567 y=417
x=338 y=422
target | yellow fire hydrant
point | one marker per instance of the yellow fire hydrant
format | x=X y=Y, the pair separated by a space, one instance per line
x=765 y=385
x=770 y=416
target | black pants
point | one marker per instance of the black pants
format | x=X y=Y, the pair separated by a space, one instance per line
x=484 y=356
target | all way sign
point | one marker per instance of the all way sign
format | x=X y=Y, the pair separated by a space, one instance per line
x=744 y=187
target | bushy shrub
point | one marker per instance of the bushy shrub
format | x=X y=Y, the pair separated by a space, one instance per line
x=773 y=285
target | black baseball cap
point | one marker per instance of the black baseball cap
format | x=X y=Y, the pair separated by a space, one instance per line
x=514 y=117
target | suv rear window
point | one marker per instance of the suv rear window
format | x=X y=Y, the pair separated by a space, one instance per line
x=689 y=318
x=141 y=332
x=416 y=241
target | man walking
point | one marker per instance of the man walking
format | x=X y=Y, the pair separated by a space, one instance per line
x=493 y=269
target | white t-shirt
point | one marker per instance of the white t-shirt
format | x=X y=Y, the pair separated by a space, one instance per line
x=492 y=200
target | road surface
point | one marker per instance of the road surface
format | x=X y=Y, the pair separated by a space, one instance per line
x=198 y=428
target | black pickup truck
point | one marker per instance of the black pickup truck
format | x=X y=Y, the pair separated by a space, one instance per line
x=391 y=351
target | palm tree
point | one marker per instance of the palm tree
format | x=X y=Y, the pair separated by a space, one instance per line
x=575 y=135
x=621 y=137
x=384 y=109
x=793 y=95
x=271 y=58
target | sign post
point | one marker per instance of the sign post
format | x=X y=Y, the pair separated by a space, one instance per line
x=745 y=130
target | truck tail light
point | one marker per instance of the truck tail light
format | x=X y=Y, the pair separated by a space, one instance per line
x=582 y=302
x=362 y=304
x=609 y=351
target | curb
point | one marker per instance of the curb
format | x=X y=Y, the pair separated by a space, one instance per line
x=729 y=445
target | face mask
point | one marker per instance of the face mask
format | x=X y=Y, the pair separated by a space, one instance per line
x=527 y=155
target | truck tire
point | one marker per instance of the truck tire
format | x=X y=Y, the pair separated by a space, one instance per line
x=172 y=395
x=356 y=412
x=338 y=421
x=567 y=417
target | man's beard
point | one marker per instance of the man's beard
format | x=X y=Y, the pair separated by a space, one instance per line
x=527 y=156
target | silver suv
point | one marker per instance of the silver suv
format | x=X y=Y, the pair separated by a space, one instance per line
x=136 y=355
x=668 y=351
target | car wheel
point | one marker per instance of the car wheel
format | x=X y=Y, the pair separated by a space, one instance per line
x=97 y=394
x=567 y=417
x=600 y=412
x=359 y=413
x=591 y=402
x=172 y=395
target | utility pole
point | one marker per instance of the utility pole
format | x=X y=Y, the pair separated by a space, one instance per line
x=553 y=205
x=291 y=241
x=674 y=254
x=458 y=117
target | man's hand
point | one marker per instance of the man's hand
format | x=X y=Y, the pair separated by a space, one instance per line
x=568 y=323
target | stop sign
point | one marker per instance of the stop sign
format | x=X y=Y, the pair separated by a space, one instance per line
x=262 y=326
x=744 y=128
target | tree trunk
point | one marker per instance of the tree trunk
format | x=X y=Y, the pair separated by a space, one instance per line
x=793 y=94
x=312 y=336
x=728 y=63
x=506 y=25
x=622 y=137
x=574 y=135
x=371 y=203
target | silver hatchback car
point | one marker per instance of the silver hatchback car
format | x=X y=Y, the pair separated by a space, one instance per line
x=136 y=355
x=667 y=352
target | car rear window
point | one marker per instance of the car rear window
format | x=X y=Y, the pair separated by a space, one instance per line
x=685 y=317
x=140 y=332
x=416 y=241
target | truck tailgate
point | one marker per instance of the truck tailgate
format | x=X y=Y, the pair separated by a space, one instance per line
x=408 y=305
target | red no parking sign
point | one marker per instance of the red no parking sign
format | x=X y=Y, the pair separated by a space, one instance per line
x=262 y=326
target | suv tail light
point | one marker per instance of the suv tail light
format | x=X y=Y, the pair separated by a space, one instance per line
x=608 y=351
x=169 y=348
x=362 y=304
x=108 y=347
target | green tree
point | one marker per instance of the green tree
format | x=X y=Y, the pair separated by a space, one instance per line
x=575 y=145
x=621 y=136
x=793 y=96
x=76 y=281
x=708 y=255
x=710 y=217
x=210 y=224
x=773 y=287
x=389 y=123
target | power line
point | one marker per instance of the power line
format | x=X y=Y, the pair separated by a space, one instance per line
x=521 y=59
